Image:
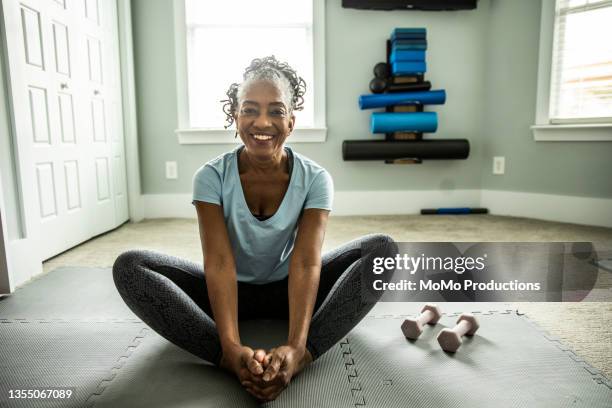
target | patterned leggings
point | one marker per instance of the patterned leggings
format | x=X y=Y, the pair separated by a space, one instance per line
x=169 y=294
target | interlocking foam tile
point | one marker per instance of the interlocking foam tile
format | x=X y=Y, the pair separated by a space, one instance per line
x=67 y=293
x=160 y=374
x=81 y=355
x=70 y=328
x=508 y=363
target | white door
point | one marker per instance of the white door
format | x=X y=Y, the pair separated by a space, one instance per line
x=65 y=98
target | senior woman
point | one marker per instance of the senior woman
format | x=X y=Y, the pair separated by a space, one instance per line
x=262 y=211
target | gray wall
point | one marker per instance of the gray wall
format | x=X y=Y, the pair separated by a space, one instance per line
x=566 y=168
x=355 y=42
x=485 y=59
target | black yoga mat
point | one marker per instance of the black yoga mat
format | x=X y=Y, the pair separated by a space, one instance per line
x=438 y=149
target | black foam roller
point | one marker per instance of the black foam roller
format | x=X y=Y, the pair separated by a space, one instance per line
x=431 y=149
x=420 y=86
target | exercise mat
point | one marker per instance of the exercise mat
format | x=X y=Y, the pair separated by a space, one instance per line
x=437 y=149
x=66 y=356
x=67 y=293
x=437 y=97
x=508 y=363
x=115 y=361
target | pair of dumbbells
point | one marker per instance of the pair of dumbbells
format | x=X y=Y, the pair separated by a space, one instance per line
x=449 y=339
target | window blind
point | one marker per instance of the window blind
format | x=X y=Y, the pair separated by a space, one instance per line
x=581 y=76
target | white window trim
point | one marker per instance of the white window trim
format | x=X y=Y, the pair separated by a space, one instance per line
x=544 y=130
x=188 y=135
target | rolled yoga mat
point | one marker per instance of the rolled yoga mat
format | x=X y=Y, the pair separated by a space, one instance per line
x=417 y=87
x=387 y=122
x=438 y=149
x=437 y=97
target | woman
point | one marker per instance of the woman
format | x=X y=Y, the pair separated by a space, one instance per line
x=262 y=211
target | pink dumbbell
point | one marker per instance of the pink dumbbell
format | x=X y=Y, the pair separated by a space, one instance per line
x=412 y=328
x=450 y=339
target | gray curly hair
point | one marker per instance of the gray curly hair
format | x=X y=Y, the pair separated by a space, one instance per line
x=292 y=86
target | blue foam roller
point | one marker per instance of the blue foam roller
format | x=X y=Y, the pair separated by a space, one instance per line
x=459 y=210
x=408 y=67
x=372 y=101
x=384 y=122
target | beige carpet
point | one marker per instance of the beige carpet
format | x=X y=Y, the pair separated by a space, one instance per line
x=586 y=327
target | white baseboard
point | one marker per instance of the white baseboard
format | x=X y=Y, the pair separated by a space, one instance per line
x=401 y=202
x=22 y=264
x=549 y=207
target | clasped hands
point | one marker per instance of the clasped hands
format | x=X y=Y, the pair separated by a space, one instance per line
x=265 y=374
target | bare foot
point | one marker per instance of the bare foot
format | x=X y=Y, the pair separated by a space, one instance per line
x=243 y=361
x=281 y=365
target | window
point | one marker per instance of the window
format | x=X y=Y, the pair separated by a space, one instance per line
x=219 y=40
x=581 y=77
x=574 y=92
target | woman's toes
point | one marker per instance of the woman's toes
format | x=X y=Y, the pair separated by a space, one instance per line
x=259 y=355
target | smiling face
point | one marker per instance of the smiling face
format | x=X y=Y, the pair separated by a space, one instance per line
x=263 y=119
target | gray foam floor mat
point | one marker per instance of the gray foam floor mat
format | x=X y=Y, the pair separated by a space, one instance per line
x=79 y=355
x=67 y=293
x=70 y=328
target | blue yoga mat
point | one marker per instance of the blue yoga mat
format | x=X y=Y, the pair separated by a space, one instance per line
x=421 y=46
x=407 y=55
x=408 y=36
x=409 y=30
x=383 y=122
x=408 y=67
x=372 y=101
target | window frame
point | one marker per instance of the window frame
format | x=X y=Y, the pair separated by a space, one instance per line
x=189 y=135
x=544 y=129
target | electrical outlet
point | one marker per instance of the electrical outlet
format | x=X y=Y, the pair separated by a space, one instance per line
x=499 y=165
x=171 y=170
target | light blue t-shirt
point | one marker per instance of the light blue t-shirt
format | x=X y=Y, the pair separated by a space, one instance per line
x=262 y=249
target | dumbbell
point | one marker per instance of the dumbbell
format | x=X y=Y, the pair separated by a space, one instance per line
x=450 y=339
x=412 y=328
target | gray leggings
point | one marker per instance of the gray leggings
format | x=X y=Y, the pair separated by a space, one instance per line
x=169 y=294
